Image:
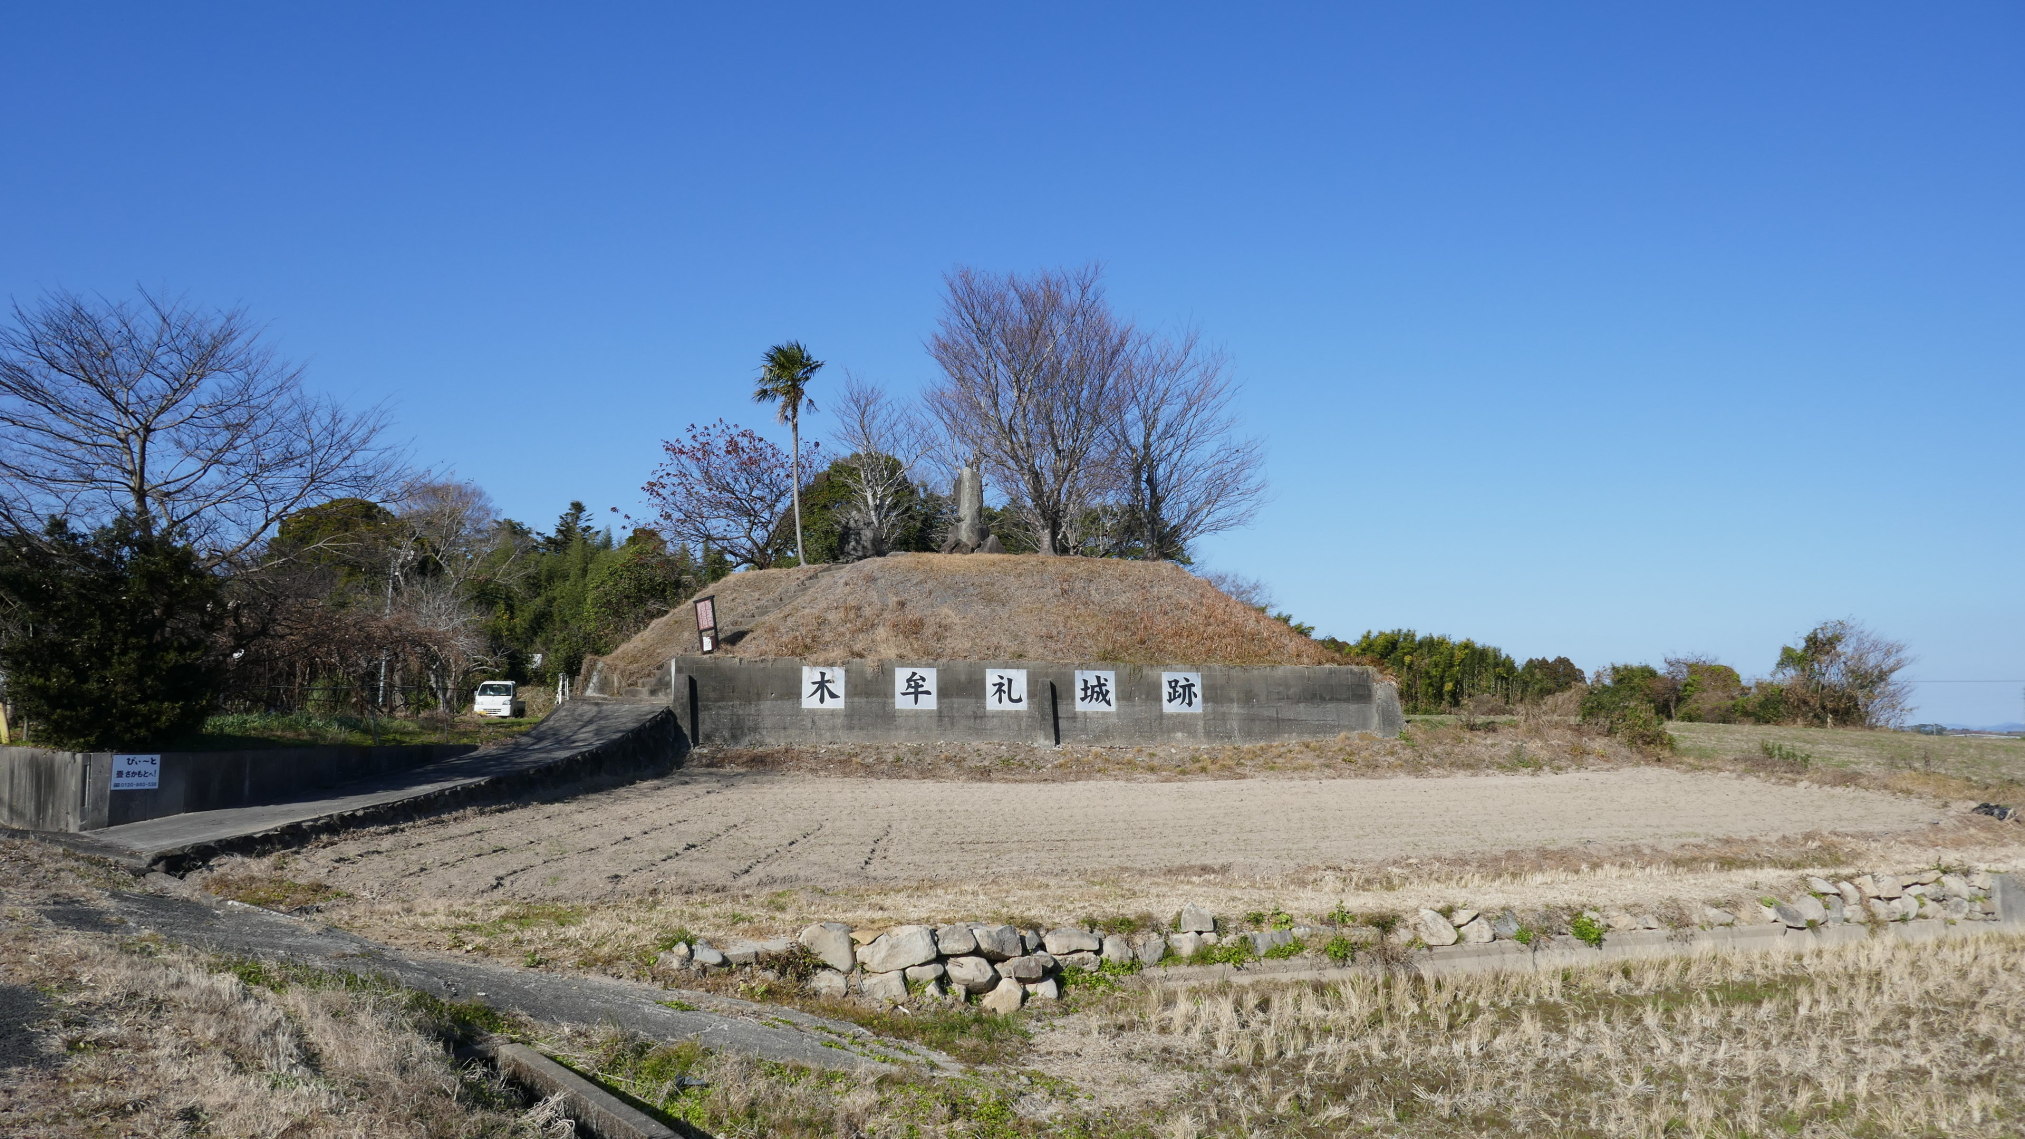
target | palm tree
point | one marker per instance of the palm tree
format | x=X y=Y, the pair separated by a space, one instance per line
x=784 y=375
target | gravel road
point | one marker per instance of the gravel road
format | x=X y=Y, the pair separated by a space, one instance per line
x=716 y=830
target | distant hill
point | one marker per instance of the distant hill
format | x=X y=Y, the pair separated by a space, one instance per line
x=978 y=607
x=2013 y=726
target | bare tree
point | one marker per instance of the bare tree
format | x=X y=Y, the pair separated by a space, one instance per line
x=1033 y=369
x=726 y=488
x=1250 y=590
x=1186 y=471
x=884 y=444
x=175 y=416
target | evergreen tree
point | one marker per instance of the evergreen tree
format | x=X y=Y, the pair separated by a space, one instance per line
x=1435 y=673
x=109 y=638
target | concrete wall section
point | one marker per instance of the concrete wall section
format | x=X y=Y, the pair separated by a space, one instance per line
x=741 y=701
x=210 y=780
x=43 y=790
x=71 y=791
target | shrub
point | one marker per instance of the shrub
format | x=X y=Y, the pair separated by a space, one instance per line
x=1587 y=929
x=1626 y=703
x=1785 y=754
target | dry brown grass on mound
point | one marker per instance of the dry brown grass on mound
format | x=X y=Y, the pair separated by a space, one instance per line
x=983 y=607
x=674 y=634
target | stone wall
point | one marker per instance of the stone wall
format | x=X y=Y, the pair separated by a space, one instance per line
x=1000 y=967
x=736 y=701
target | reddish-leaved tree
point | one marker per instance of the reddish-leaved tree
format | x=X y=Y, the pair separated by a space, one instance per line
x=725 y=487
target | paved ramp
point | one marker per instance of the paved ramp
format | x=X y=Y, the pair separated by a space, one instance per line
x=588 y=738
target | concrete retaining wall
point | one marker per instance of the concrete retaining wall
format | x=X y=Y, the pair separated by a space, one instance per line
x=70 y=791
x=45 y=790
x=745 y=701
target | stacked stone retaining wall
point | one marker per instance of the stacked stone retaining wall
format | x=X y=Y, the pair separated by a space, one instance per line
x=1000 y=967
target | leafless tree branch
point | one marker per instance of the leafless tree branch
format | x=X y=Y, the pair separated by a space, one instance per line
x=177 y=416
x=1186 y=471
x=1033 y=368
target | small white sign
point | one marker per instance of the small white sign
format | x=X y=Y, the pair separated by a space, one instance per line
x=1181 y=692
x=1096 y=691
x=136 y=772
x=822 y=687
x=914 y=688
x=1005 y=689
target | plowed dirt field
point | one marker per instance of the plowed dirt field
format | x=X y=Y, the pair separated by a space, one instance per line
x=735 y=830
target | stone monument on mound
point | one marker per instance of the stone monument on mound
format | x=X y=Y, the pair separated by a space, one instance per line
x=969 y=536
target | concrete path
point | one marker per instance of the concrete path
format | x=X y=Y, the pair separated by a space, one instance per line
x=766 y=1031
x=584 y=738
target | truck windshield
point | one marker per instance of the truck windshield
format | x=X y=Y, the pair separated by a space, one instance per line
x=495 y=690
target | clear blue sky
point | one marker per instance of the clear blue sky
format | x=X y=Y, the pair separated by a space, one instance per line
x=1596 y=329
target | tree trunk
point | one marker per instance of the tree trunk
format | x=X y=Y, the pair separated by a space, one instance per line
x=795 y=466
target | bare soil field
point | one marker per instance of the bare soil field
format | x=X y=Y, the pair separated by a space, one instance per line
x=716 y=831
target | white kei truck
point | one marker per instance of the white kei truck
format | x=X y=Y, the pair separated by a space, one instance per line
x=499 y=698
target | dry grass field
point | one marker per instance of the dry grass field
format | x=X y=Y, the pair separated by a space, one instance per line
x=1881 y=1039
x=1985 y=766
x=109 y=1032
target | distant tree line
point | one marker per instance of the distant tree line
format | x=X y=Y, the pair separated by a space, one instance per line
x=184 y=528
x=1840 y=674
x=1436 y=674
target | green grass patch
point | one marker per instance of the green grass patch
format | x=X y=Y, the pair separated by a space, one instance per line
x=527 y=915
x=241 y=731
x=1235 y=951
x=1107 y=977
x=965 y=1034
x=272 y=891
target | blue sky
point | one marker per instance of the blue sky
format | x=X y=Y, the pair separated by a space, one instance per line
x=1594 y=329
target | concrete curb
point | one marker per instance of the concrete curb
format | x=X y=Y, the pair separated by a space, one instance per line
x=597 y=1112
x=1568 y=953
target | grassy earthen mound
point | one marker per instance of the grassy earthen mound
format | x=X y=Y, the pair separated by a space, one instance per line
x=980 y=607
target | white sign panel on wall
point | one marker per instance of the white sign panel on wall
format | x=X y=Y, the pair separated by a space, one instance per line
x=1005 y=689
x=914 y=688
x=136 y=772
x=1181 y=692
x=1096 y=691
x=822 y=687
